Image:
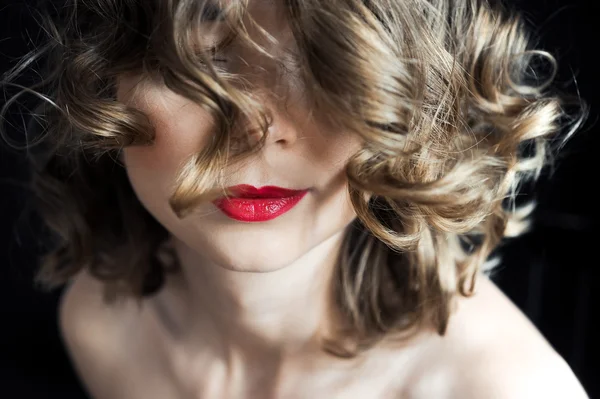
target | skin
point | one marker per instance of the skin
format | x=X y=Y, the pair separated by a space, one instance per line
x=241 y=319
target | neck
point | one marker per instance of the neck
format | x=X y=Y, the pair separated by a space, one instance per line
x=248 y=314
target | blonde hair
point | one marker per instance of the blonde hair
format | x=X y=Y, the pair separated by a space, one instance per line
x=442 y=92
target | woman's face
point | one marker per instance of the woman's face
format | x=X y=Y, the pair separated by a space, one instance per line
x=299 y=154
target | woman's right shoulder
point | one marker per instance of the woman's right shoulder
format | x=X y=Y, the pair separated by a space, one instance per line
x=93 y=334
x=83 y=313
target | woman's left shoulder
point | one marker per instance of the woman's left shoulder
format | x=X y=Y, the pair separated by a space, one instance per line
x=494 y=351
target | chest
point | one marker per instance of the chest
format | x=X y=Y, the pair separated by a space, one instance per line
x=144 y=384
x=151 y=375
x=154 y=369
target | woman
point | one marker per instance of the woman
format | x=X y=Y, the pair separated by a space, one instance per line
x=293 y=199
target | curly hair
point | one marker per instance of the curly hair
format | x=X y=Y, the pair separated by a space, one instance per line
x=444 y=94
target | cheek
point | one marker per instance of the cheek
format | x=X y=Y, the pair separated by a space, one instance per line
x=333 y=160
x=180 y=132
x=334 y=153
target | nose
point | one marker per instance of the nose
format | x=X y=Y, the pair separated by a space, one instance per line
x=283 y=131
x=279 y=88
x=287 y=121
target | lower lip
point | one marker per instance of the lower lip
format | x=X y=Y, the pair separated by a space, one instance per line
x=257 y=209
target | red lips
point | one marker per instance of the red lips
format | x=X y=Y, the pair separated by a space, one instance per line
x=251 y=204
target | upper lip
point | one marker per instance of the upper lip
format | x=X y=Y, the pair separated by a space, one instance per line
x=248 y=191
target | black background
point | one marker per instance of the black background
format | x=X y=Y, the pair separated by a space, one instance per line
x=551 y=273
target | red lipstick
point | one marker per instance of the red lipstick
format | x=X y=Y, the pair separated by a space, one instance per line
x=251 y=204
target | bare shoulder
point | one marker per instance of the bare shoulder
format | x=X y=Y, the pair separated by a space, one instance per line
x=492 y=350
x=93 y=333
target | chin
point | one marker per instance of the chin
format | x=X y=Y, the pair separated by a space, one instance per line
x=251 y=250
x=253 y=261
x=246 y=267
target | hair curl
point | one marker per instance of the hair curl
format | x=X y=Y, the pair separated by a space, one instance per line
x=442 y=92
